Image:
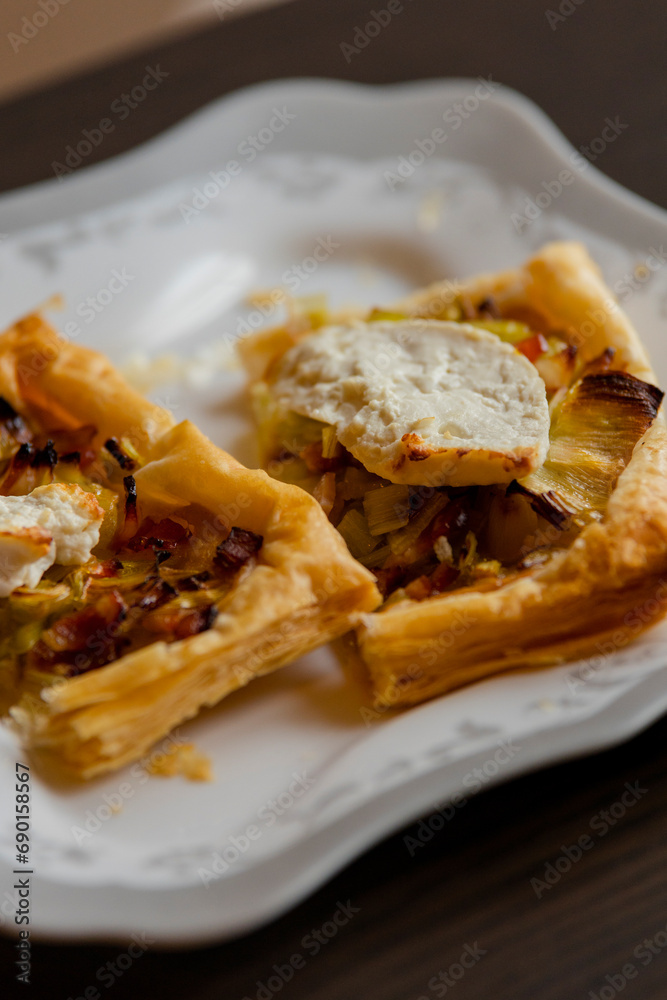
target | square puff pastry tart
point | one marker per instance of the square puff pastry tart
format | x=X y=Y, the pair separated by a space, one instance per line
x=144 y=573
x=539 y=531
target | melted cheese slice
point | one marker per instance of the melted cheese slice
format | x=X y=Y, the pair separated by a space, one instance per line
x=421 y=402
x=58 y=523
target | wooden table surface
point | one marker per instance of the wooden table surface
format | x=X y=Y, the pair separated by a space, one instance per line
x=468 y=891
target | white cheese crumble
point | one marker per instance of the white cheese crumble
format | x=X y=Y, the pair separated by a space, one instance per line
x=58 y=523
x=421 y=402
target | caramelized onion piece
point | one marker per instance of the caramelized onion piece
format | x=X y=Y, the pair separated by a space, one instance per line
x=121 y=457
x=593 y=434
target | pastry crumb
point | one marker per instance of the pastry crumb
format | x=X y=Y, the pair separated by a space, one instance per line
x=186 y=760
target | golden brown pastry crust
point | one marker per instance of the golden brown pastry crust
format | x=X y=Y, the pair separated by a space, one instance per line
x=606 y=588
x=306 y=590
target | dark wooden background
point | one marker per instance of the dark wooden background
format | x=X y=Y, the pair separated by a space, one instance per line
x=471 y=883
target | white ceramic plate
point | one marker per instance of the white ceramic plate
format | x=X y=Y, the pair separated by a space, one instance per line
x=297 y=760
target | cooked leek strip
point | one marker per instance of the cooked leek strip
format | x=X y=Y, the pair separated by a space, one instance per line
x=376 y=558
x=356 y=483
x=509 y=330
x=593 y=434
x=400 y=541
x=329 y=441
x=376 y=315
x=354 y=529
x=387 y=508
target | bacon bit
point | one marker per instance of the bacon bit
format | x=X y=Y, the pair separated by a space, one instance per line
x=312 y=456
x=388 y=579
x=489 y=307
x=450 y=521
x=117 y=452
x=88 y=629
x=417 y=450
x=325 y=492
x=72 y=458
x=442 y=577
x=156 y=592
x=419 y=588
x=46 y=456
x=237 y=548
x=110 y=567
x=76 y=441
x=165 y=534
x=533 y=347
x=181 y=622
x=161 y=556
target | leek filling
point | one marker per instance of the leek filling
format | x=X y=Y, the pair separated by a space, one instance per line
x=146 y=580
x=423 y=541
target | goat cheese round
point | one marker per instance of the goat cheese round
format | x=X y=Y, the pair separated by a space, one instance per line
x=421 y=401
x=57 y=523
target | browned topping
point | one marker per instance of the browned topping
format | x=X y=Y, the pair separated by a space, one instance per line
x=415 y=447
x=419 y=588
x=156 y=592
x=548 y=505
x=443 y=577
x=325 y=492
x=121 y=457
x=19 y=463
x=181 y=623
x=315 y=462
x=131 y=517
x=164 y=534
x=84 y=639
x=619 y=387
x=389 y=579
x=488 y=308
x=45 y=457
x=238 y=548
x=110 y=567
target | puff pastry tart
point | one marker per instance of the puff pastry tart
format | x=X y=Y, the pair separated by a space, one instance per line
x=144 y=573
x=493 y=450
